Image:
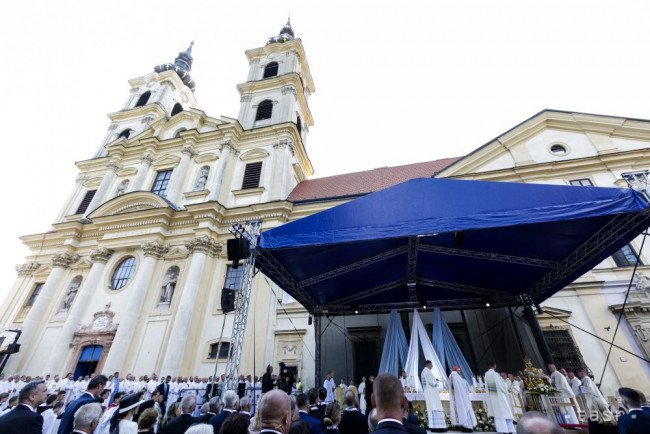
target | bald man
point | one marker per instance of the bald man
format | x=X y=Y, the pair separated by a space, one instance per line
x=387 y=397
x=534 y=422
x=275 y=412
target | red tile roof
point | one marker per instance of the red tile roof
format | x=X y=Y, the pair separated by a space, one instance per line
x=359 y=183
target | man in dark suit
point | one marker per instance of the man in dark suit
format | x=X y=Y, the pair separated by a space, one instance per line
x=315 y=425
x=322 y=396
x=387 y=397
x=274 y=412
x=267 y=380
x=245 y=407
x=182 y=422
x=230 y=406
x=163 y=389
x=23 y=419
x=94 y=389
x=636 y=421
x=352 y=420
x=314 y=410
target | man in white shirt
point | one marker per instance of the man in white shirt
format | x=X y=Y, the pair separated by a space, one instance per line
x=574 y=382
x=329 y=385
x=403 y=379
x=432 y=385
x=151 y=386
x=498 y=405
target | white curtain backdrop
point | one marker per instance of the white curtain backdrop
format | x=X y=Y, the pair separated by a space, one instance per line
x=419 y=334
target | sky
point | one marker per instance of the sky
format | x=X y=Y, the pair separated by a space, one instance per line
x=396 y=82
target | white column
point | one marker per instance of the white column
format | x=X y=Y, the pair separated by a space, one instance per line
x=285 y=109
x=143 y=170
x=276 y=186
x=222 y=166
x=107 y=181
x=178 y=175
x=11 y=305
x=60 y=263
x=56 y=360
x=128 y=319
x=200 y=248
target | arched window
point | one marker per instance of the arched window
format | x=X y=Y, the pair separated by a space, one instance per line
x=264 y=110
x=123 y=273
x=177 y=109
x=126 y=133
x=270 y=70
x=178 y=132
x=299 y=124
x=144 y=98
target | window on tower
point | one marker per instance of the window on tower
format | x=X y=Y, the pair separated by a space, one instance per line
x=144 y=98
x=177 y=109
x=270 y=70
x=126 y=133
x=252 y=174
x=299 y=124
x=159 y=186
x=83 y=206
x=264 y=110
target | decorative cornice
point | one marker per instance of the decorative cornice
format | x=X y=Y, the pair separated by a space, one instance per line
x=188 y=150
x=113 y=166
x=154 y=249
x=246 y=98
x=27 y=268
x=101 y=255
x=289 y=89
x=204 y=244
x=64 y=260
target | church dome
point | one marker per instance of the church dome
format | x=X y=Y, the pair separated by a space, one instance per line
x=182 y=65
x=286 y=34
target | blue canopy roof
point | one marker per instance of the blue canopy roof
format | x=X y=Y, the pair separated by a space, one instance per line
x=449 y=243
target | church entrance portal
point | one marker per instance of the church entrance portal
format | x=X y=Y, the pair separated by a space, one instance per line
x=88 y=360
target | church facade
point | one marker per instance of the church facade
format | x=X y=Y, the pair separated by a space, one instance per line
x=129 y=276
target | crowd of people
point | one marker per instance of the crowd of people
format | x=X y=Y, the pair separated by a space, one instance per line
x=115 y=405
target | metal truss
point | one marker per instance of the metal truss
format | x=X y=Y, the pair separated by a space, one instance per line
x=608 y=235
x=411 y=267
x=468 y=303
x=476 y=290
x=286 y=280
x=488 y=256
x=250 y=231
x=369 y=292
x=355 y=265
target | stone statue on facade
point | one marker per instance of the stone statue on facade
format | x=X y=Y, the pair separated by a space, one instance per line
x=168 y=286
x=642 y=281
x=70 y=294
x=202 y=180
x=121 y=189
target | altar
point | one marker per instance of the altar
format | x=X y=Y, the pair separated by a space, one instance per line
x=478 y=400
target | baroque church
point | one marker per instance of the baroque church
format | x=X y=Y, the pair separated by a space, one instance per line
x=129 y=278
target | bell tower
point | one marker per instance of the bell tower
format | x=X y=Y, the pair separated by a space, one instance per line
x=278 y=86
x=163 y=93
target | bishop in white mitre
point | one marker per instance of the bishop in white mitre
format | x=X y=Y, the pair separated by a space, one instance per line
x=497 y=401
x=460 y=406
x=435 y=413
x=560 y=382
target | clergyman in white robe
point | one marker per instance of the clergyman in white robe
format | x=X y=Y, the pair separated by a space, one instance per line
x=460 y=405
x=430 y=384
x=497 y=401
x=560 y=382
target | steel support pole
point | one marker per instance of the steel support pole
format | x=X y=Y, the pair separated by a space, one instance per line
x=544 y=350
x=318 y=334
x=520 y=344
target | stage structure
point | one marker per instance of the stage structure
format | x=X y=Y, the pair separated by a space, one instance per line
x=446 y=347
x=395 y=351
x=410 y=246
x=413 y=368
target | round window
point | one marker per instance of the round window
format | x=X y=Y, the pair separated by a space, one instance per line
x=558 y=150
x=123 y=273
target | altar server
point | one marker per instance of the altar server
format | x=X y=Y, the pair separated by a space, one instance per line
x=560 y=382
x=497 y=402
x=431 y=385
x=460 y=405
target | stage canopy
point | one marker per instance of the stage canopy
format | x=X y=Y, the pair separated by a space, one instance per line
x=449 y=243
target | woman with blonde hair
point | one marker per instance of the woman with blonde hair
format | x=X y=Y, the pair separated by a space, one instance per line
x=332 y=418
x=147 y=420
x=173 y=411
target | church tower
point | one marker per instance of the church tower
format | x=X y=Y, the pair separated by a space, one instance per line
x=278 y=86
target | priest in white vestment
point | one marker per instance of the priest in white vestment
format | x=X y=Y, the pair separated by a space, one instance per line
x=460 y=406
x=596 y=403
x=574 y=382
x=560 y=382
x=497 y=401
x=431 y=385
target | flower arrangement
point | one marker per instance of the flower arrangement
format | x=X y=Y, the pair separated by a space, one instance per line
x=422 y=418
x=542 y=389
x=483 y=422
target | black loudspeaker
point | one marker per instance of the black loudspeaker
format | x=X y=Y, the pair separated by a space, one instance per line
x=238 y=249
x=227 y=300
